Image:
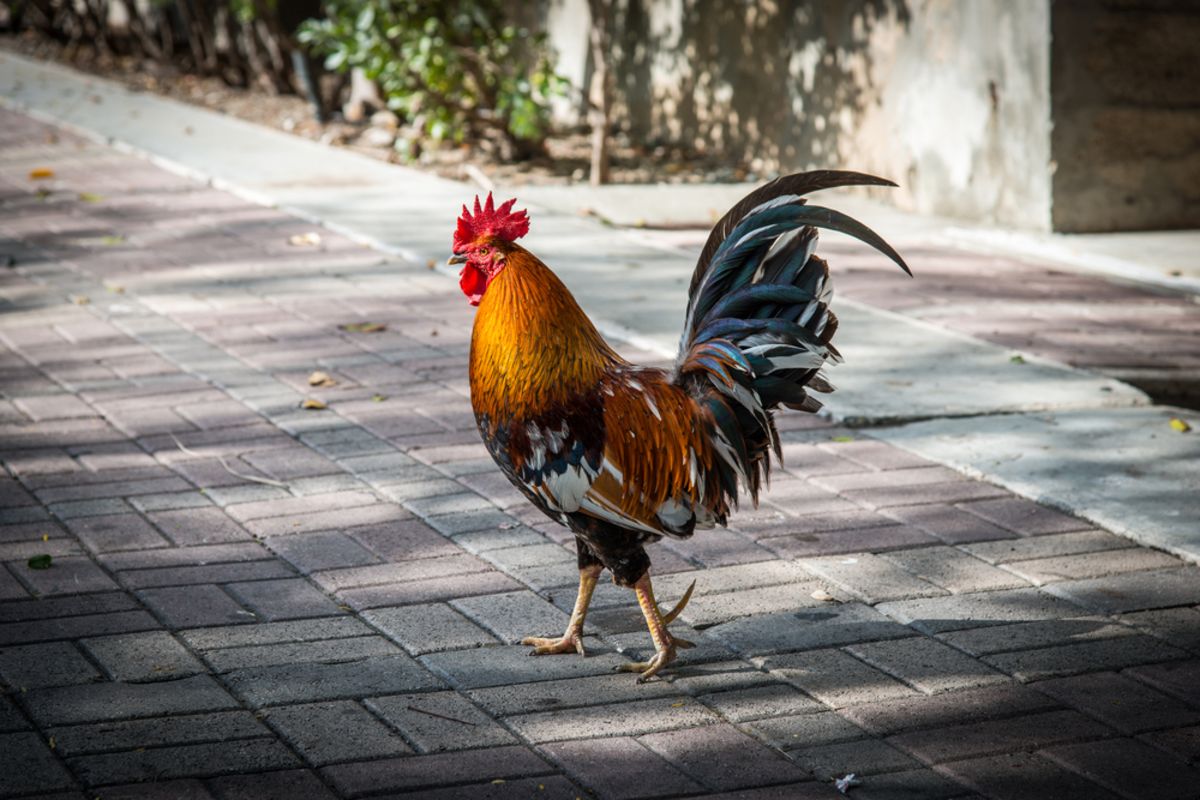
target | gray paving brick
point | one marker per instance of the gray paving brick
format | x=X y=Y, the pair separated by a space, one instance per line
x=170 y=501
x=116 y=532
x=313 y=552
x=482 y=541
x=76 y=627
x=948 y=709
x=10 y=718
x=326 y=520
x=722 y=758
x=624 y=719
x=30 y=766
x=1050 y=546
x=204 y=573
x=958 y=491
x=1136 y=591
x=744 y=705
x=805 y=730
x=426 y=772
x=539 y=555
x=1034 y=635
x=605 y=689
x=329 y=733
x=307 y=630
x=422 y=629
x=288 y=598
x=326 y=651
x=113 y=701
x=430 y=590
x=89 y=508
x=225 y=496
x=1179 y=626
x=1182 y=742
x=1071 y=659
x=1091 y=565
x=131 y=734
x=927 y=664
x=950 y=524
x=186 y=556
x=870 y=577
x=616 y=769
x=35 y=666
x=835 y=678
x=954 y=570
x=485 y=520
x=939 y=614
x=1025 y=517
x=10 y=587
x=437 y=721
x=404 y=540
x=828 y=625
x=191 y=760
x=136 y=657
x=408 y=490
x=998 y=736
x=440 y=504
x=1017 y=776
x=514 y=615
x=711 y=609
x=914 y=784
x=196 y=526
x=423 y=569
x=181 y=789
x=1120 y=702
x=71 y=575
x=275 y=785
x=1129 y=768
x=194 y=606
x=1178 y=678
x=300 y=682
x=863 y=757
x=875 y=539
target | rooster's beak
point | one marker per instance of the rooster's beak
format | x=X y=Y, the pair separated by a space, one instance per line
x=457 y=259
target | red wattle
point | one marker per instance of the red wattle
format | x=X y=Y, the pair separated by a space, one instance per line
x=473 y=281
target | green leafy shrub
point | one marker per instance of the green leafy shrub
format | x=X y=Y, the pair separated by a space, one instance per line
x=456 y=70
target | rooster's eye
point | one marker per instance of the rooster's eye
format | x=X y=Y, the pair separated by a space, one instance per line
x=483 y=251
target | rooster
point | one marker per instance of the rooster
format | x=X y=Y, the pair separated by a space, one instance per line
x=621 y=454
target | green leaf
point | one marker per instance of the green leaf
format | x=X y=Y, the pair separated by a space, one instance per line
x=1017 y=359
x=43 y=561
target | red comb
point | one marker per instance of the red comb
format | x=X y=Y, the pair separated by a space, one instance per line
x=488 y=220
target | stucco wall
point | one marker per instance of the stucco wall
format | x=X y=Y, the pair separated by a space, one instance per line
x=948 y=98
x=1126 y=105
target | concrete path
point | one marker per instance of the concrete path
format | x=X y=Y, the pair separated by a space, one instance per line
x=209 y=591
x=633 y=284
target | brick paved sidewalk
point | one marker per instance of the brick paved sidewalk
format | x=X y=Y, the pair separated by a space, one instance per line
x=344 y=625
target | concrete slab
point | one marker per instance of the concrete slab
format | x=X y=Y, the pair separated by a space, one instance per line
x=1126 y=469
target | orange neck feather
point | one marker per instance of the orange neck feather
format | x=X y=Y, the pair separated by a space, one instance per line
x=532 y=347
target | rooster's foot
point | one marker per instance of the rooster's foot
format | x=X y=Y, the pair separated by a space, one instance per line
x=660 y=659
x=567 y=643
x=665 y=645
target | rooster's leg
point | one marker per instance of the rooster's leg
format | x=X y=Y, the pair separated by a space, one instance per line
x=665 y=645
x=572 y=640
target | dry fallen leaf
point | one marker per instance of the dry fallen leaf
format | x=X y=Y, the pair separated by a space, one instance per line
x=313 y=405
x=322 y=379
x=1180 y=425
x=40 y=174
x=80 y=299
x=89 y=197
x=310 y=239
x=112 y=240
x=379 y=398
x=431 y=264
x=364 y=327
x=680 y=704
x=823 y=596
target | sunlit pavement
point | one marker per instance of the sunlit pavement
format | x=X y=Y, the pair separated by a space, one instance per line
x=247 y=597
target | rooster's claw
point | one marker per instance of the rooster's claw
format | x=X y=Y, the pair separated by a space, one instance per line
x=566 y=644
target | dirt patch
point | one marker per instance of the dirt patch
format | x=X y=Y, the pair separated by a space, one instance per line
x=565 y=163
